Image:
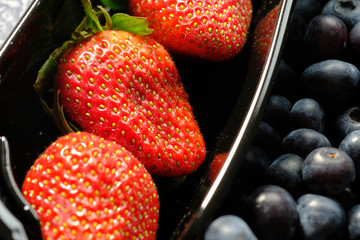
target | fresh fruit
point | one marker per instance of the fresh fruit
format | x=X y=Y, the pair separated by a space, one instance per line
x=230 y=227
x=271 y=213
x=326 y=37
x=328 y=81
x=348 y=121
x=263 y=34
x=277 y=113
x=85 y=187
x=354 y=39
x=307 y=113
x=320 y=217
x=347 y=10
x=216 y=165
x=354 y=223
x=125 y=87
x=285 y=172
x=302 y=141
x=211 y=30
x=328 y=170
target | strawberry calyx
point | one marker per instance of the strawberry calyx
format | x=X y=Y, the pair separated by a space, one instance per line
x=89 y=26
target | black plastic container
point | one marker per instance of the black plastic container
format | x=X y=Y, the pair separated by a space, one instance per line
x=228 y=99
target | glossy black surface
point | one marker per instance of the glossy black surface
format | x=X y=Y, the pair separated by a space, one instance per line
x=228 y=100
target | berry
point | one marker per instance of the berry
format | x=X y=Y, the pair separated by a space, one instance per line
x=267 y=139
x=308 y=9
x=307 y=113
x=263 y=35
x=277 y=113
x=271 y=212
x=354 y=223
x=229 y=227
x=326 y=37
x=302 y=141
x=328 y=80
x=320 y=217
x=83 y=186
x=348 y=121
x=211 y=30
x=328 y=170
x=347 y=10
x=351 y=145
x=285 y=171
x=354 y=40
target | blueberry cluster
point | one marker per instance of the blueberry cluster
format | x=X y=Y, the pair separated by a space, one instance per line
x=304 y=180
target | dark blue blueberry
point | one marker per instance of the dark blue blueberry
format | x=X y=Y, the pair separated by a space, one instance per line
x=271 y=213
x=328 y=170
x=351 y=145
x=277 y=112
x=286 y=81
x=308 y=9
x=348 y=121
x=307 y=113
x=255 y=163
x=333 y=83
x=320 y=217
x=354 y=40
x=302 y=141
x=229 y=227
x=285 y=171
x=354 y=223
x=268 y=139
x=325 y=37
x=347 y=10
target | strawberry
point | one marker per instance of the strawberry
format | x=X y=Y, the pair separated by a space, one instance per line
x=214 y=30
x=125 y=87
x=263 y=34
x=85 y=187
x=216 y=165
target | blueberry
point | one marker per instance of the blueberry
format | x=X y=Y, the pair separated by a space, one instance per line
x=302 y=141
x=255 y=163
x=347 y=10
x=229 y=227
x=286 y=81
x=354 y=40
x=285 y=171
x=308 y=9
x=328 y=170
x=307 y=113
x=268 y=139
x=333 y=83
x=351 y=145
x=320 y=217
x=276 y=113
x=271 y=213
x=348 y=121
x=325 y=37
x=354 y=223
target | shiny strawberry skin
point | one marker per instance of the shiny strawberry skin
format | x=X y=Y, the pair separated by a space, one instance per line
x=126 y=88
x=85 y=187
x=264 y=32
x=214 y=30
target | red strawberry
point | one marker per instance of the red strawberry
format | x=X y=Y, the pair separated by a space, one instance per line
x=215 y=30
x=264 y=32
x=126 y=88
x=216 y=165
x=85 y=187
